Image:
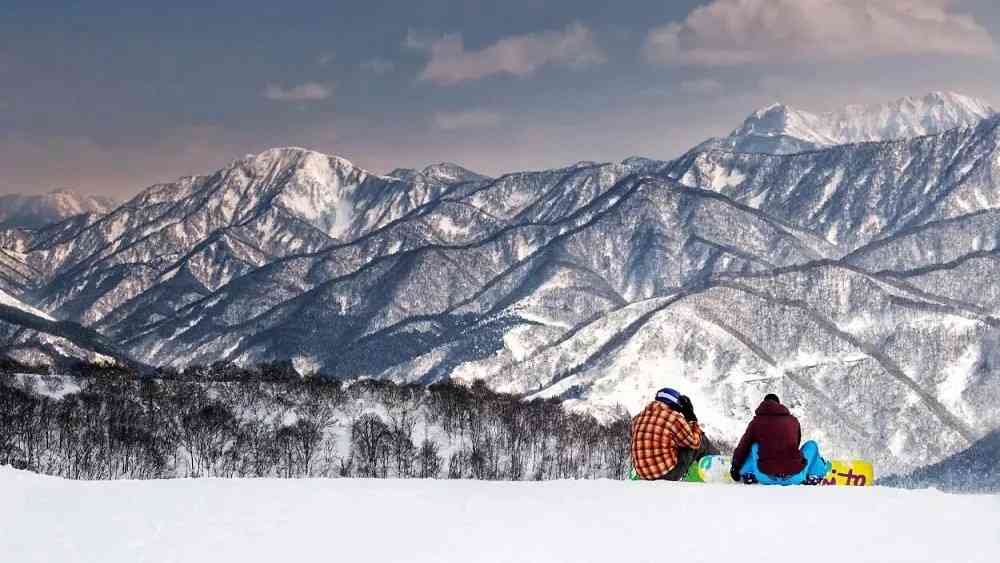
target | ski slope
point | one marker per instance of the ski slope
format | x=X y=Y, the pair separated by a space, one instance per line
x=214 y=520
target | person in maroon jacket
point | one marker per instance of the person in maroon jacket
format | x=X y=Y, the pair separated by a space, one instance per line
x=769 y=451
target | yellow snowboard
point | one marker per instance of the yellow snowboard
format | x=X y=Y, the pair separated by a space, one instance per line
x=851 y=473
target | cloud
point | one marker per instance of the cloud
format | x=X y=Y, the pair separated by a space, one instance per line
x=735 y=32
x=326 y=58
x=469 y=119
x=419 y=40
x=307 y=92
x=701 y=86
x=518 y=55
x=378 y=66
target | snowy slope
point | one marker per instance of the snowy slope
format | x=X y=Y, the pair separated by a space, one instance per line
x=780 y=129
x=48 y=519
x=855 y=194
x=32 y=336
x=204 y=231
x=615 y=250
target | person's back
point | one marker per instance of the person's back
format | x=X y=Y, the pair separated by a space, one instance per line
x=666 y=437
x=777 y=434
x=769 y=451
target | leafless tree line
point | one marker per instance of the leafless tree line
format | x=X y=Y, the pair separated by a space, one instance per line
x=268 y=422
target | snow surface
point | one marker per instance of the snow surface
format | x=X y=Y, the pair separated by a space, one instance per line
x=49 y=519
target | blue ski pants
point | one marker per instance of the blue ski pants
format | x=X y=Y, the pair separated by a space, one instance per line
x=815 y=466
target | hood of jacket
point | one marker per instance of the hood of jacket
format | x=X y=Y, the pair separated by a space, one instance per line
x=772 y=408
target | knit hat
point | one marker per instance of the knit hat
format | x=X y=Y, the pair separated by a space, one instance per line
x=668 y=396
x=772 y=397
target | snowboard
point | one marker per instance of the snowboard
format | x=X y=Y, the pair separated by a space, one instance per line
x=715 y=469
x=855 y=473
x=844 y=473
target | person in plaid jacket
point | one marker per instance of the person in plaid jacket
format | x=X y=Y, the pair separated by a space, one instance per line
x=666 y=438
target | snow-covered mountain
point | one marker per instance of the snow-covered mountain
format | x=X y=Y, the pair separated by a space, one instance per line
x=33 y=337
x=35 y=211
x=854 y=194
x=780 y=129
x=855 y=280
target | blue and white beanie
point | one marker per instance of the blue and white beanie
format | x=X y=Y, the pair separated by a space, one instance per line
x=668 y=396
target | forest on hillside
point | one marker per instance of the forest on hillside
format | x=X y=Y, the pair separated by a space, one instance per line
x=98 y=422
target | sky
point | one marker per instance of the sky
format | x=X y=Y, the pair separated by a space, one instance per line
x=109 y=97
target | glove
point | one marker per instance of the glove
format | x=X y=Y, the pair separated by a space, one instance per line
x=687 y=409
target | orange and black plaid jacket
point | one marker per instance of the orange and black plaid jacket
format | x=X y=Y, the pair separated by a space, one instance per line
x=656 y=434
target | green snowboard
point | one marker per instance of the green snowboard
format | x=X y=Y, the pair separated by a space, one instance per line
x=709 y=469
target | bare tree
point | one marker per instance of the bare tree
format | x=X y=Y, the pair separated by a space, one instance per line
x=234 y=421
x=370 y=440
x=429 y=460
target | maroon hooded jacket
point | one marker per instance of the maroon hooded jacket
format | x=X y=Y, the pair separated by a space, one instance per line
x=777 y=434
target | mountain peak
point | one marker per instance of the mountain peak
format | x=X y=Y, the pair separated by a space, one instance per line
x=767 y=121
x=295 y=156
x=938 y=101
x=449 y=172
x=315 y=187
x=403 y=173
x=943 y=96
x=779 y=128
x=35 y=211
x=947 y=96
x=443 y=172
x=773 y=109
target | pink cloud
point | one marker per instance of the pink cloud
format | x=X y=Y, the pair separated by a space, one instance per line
x=519 y=55
x=734 y=32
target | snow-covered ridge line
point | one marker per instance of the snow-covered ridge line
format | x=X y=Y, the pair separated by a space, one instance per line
x=780 y=129
x=903 y=118
x=854 y=194
x=300 y=152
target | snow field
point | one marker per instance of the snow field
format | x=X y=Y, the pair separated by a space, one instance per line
x=49 y=519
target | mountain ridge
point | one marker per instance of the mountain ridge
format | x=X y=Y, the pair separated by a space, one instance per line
x=853 y=279
x=781 y=129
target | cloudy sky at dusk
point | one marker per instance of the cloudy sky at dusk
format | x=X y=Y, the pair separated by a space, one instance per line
x=109 y=97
